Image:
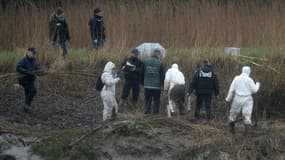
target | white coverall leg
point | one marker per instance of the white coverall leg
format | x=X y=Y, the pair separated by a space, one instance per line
x=110 y=104
x=241 y=104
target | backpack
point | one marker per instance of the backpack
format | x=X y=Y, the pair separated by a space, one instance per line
x=99 y=83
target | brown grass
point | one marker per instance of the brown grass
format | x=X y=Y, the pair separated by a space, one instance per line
x=176 y=24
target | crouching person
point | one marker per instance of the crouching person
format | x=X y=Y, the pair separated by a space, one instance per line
x=242 y=89
x=108 y=92
x=26 y=68
x=174 y=83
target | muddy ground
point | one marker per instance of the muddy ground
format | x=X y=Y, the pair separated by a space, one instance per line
x=67 y=108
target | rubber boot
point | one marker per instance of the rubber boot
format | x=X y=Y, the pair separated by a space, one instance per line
x=134 y=105
x=247 y=130
x=27 y=108
x=121 y=105
x=114 y=115
x=232 y=127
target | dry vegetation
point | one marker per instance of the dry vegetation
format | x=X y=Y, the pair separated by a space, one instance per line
x=202 y=27
x=176 y=24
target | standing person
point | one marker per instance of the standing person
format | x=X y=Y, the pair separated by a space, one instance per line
x=132 y=68
x=205 y=83
x=26 y=68
x=242 y=89
x=174 y=83
x=153 y=76
x=58 y=31
x=97 y=28
x=108 y=92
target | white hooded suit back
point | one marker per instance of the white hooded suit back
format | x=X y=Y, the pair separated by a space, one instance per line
x=173 y=77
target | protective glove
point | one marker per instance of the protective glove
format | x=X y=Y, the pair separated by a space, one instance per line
x=117 y=78
x=95 y=41
x=258 y=84
x=227 y=99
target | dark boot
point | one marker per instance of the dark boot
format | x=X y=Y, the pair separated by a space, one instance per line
x=122 y=105
x=27 y=108
x=247 y=130
x=114 y=115
x=232 y=127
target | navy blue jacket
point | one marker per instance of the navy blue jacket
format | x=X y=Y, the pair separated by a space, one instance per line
x=26 y=67
x=204 y=81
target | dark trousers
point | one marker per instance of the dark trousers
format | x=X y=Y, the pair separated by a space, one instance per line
x=64 y=45
x=149 y=95
x=30 y=91
x=99 y=44
x=131 y=85
x=177 y=95
x=199 y=100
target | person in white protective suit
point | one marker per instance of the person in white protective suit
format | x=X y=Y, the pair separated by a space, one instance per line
x=174 y=83
x=242 y=89
x=108 y=92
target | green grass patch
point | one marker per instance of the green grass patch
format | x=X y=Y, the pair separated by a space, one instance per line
x=55 y=145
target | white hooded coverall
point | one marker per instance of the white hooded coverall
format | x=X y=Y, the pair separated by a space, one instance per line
x=108 y=91
x=242 y=89
x=173 y=77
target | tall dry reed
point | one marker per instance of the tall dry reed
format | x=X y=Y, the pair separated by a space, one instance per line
x=176 y=24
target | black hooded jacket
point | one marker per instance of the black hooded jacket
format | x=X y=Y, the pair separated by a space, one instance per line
x=58 y=30
x=97 y=28
x=136 y=74
x=204 y=81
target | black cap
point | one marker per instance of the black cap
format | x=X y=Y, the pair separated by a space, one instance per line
x=135 y=52
x=59 y=11
x=97 y=10
x=33 y=50
x=206 y=62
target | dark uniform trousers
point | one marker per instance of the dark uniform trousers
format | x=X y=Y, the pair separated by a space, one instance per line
x=133 y=85
x=199 y=100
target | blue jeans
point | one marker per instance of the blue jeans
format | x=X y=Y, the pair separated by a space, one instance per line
x=149 y=95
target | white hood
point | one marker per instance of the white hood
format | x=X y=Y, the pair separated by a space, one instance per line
x=173 y=77
x=109 y=66
x=174 y=66
x=246 y=70
x=243 y=85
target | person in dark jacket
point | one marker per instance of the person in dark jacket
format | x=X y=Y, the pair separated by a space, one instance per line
x=97 y=28
x=153 y=77
x=205 y=83
x=132 y=68
x=26 y=68
x=58 y=31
